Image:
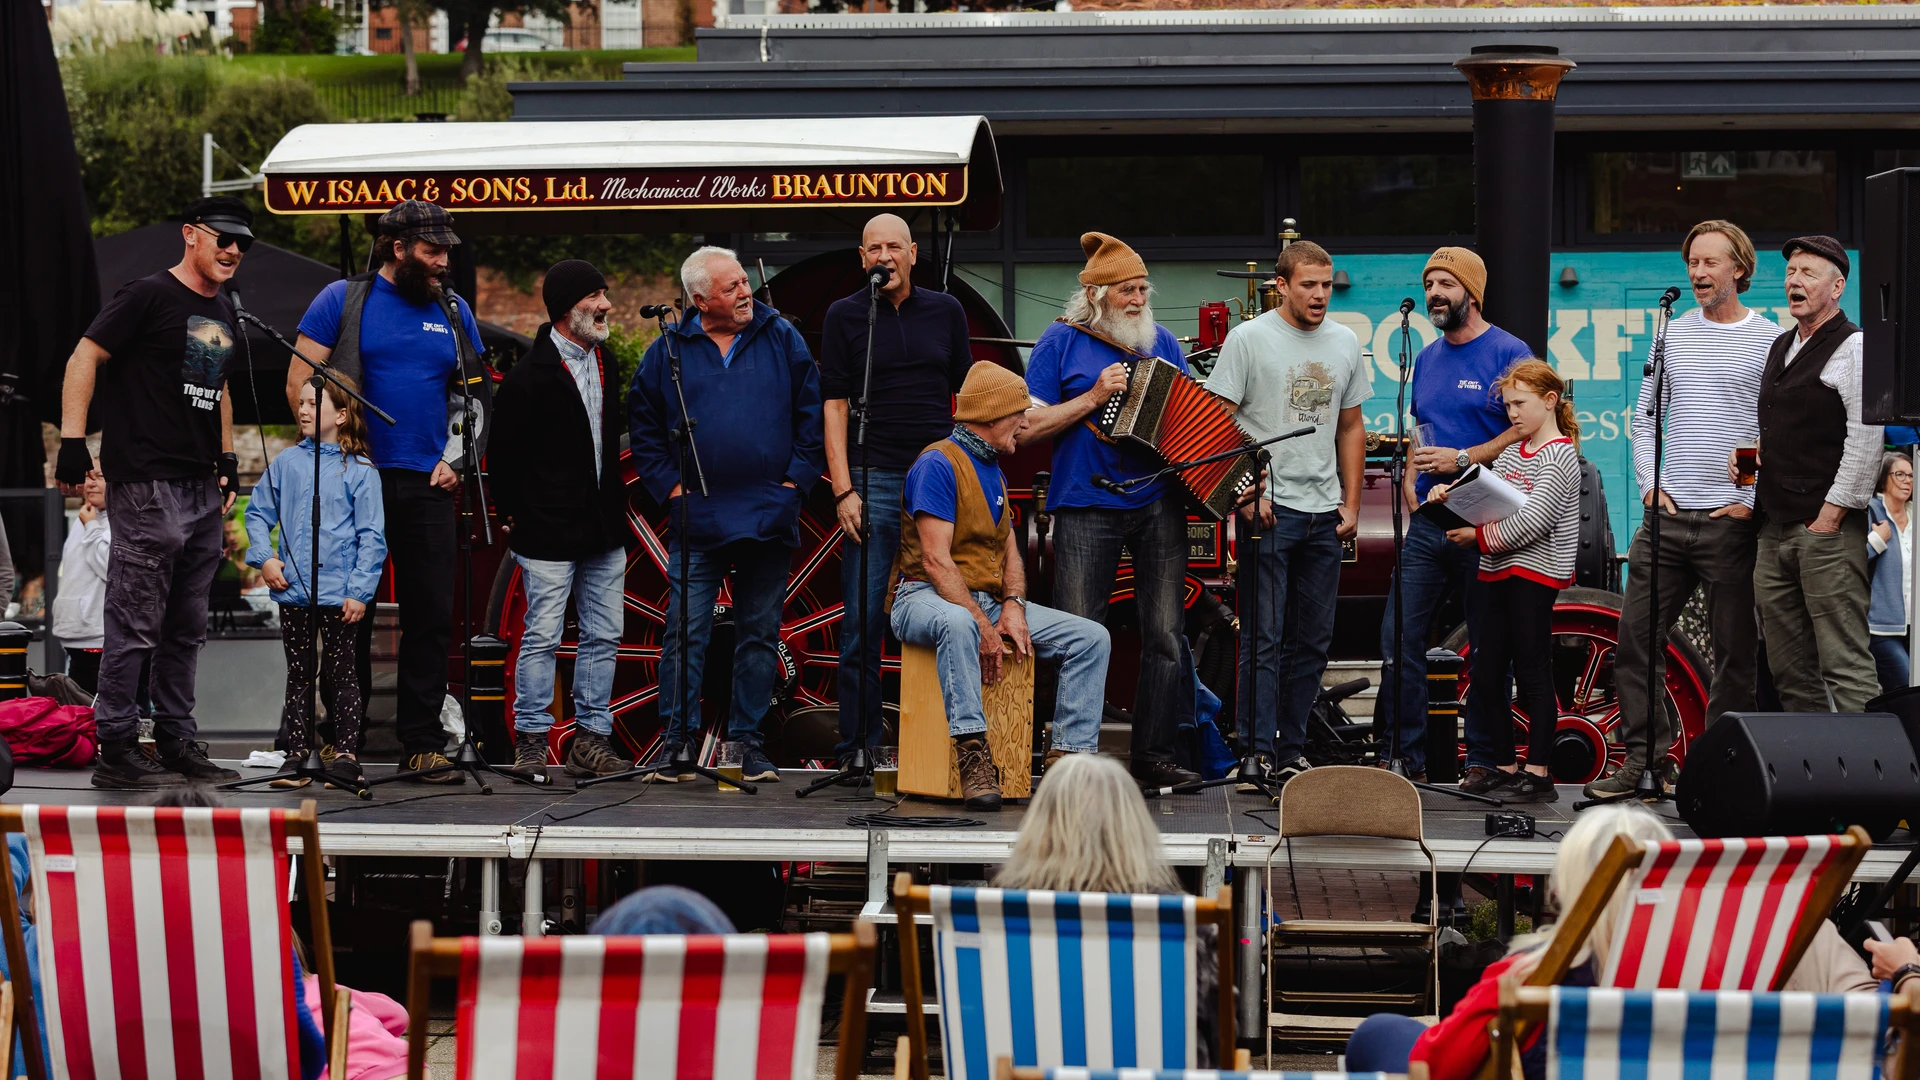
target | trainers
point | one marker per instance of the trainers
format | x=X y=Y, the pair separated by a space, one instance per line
x=669 y=772
x=1254 y=767
x=124 y=766
x=1291 y=769
x=530 y=752
x=434 y=759
x=757 y=767
x=189 y=759
x=343 y=774
x=1481 y=780
x=1161 y=774
x=1529 y=787
x=592 y=754
x=1623 y=780
x=979 y=780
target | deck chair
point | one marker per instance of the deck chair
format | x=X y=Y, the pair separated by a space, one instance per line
x=1004 y=1069
x=1724 y=914
x=669 y=1006
x=166 y=942
x=1610 y=1031
x=1059 y=978
x=1349 y=801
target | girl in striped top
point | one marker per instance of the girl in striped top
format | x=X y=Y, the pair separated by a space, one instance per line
x=1525 y=560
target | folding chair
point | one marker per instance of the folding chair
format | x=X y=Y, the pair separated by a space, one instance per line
x=1610 y=1031
x=1060 y=978
x=1416 y=1071
x=1725 y=914
x=1347 y=801
x=166 y=942
x=669 y=1006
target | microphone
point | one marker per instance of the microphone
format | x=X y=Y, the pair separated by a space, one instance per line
x=1105 y=484
x=879 y=275
x=240 y=311
x=1667 y=298
x=1407 y=306
x=655 y=311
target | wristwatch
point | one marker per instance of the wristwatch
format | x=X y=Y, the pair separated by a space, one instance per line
x=1462 y=460
x=1902 y=972
x=1021 y=600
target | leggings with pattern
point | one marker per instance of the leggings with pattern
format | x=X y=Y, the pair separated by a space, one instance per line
x=336 y=667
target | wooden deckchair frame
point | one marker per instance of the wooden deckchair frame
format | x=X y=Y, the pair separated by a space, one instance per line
x=851 y=955
x=303 y=823
x=1521 y=1007
x=909 y=899
x=1242 y=1062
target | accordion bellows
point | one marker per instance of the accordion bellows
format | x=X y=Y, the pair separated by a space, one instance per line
x=1167 y=411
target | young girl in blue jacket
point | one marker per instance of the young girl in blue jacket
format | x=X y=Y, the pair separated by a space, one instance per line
x=353 y=548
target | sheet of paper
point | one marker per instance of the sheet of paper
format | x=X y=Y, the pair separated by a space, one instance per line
x=1479 y=497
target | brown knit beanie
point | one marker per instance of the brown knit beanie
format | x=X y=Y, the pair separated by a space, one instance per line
x=1465 y=266
x=990 y=393
x=1109 y=261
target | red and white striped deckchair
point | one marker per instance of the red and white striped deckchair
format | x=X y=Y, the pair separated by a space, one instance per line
x=165 y=940
x=1723 y=914
x=669 y=1006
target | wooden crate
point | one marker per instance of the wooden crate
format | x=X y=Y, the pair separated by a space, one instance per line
x=928 y=763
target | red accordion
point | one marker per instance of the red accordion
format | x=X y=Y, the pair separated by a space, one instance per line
x=1165 y=409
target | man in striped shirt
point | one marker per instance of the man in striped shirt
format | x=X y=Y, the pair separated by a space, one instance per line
x=1715 y=356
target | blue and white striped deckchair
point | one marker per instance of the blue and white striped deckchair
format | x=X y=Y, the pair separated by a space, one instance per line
x=1076 y=1073
x=1046 y=978
x=1608 y=1033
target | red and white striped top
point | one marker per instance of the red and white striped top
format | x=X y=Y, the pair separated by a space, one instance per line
x=1540 y=540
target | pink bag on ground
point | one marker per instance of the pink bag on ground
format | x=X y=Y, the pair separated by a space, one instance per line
x=45 y=734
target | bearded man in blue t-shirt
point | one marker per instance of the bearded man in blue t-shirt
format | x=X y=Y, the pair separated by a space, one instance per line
x=1075 y=367
x=1453 y=392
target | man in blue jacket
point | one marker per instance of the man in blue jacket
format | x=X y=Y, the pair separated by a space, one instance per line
x=754 y=395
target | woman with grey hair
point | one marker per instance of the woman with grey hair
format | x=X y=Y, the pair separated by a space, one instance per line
x=1889 y=566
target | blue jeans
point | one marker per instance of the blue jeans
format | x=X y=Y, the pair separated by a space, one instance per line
x=758 y=570
x=1890 y=662
x=1086 y=550
x=1299 y=563
x=922 y=617
x=1431 y=570
x=883 y=543
x=596 y=585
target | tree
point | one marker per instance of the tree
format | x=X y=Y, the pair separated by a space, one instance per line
x=410 y=14
x=471 y=18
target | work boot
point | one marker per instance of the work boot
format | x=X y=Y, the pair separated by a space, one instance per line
x=530 y=752
x=592 y=754
x=189 y=759
x=1621 y=781
x=125 y=767
x=979 y=780
x=434 y=759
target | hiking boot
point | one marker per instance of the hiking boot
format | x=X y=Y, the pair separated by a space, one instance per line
x=189 y=759
x=530 y=752
x=343 y=774
x=1621 y=781
x=434 y=759
x=1481 y=780
x=979 y=780
x=592 y=754
x=1054 y=754
x=1161 y=774
x=1254 y=767
x=125 y=767
x=756 y=766
x=671 y=773
x=1524 y=786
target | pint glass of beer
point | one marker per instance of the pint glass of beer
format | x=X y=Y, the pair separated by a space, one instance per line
x=886 y=770
x=1746 y=463
x=731 y=763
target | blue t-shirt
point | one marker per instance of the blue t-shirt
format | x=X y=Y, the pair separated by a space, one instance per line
x=930 y=486
x=406 y=357
x=1065 y=363
x=1453 y=389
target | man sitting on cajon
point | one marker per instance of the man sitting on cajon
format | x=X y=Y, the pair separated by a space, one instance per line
x=961 y=585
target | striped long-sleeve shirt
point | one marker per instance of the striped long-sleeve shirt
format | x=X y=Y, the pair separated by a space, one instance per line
x=1712 y=404
x=1538 y=541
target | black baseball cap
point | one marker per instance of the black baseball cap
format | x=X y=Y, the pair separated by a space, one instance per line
x=221 y=213
x=416 y=219
x=1824 y=246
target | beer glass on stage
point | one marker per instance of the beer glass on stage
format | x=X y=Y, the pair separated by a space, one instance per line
x=732 y=760
x=886 y=770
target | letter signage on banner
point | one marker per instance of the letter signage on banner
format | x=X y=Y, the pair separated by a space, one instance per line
x=672 y=189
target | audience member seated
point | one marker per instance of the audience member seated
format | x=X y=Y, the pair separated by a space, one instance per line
x=662 y=909
x=1088 y=830
x=1454 y=1048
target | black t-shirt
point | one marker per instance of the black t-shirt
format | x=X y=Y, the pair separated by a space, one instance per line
x=920 y=358
x=159 y=391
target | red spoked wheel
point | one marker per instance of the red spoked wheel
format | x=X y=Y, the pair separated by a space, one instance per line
x=1588 y=740
x=809 y=636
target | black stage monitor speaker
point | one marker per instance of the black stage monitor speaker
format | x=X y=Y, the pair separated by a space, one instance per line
x=1792 y=774
x=1889 y=280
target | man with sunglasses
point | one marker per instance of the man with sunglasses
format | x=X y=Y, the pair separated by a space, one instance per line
x=159 y=353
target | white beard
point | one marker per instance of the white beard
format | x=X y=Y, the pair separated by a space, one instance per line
x=580 y=325
x=1137 y=333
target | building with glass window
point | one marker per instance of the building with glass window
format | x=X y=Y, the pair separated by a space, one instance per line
x=1193 y=134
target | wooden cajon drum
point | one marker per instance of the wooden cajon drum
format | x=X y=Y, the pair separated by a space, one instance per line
x=928 y=763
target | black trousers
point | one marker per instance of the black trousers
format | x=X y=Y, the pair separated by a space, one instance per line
x=1516 y=626
x=420 y=542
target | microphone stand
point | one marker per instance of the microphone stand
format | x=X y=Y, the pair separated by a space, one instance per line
x=312 y=767
x=467 y=758
x=859 y=767
x=684 y=450
x=1648 y=788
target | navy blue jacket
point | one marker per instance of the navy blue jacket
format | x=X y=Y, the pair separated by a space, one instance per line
x=756 y=422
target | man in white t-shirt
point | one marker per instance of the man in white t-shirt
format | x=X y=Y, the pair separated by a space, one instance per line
x=1292 y=366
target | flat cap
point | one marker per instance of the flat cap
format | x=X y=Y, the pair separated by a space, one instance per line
x=1824 y=246
x=416 y=219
